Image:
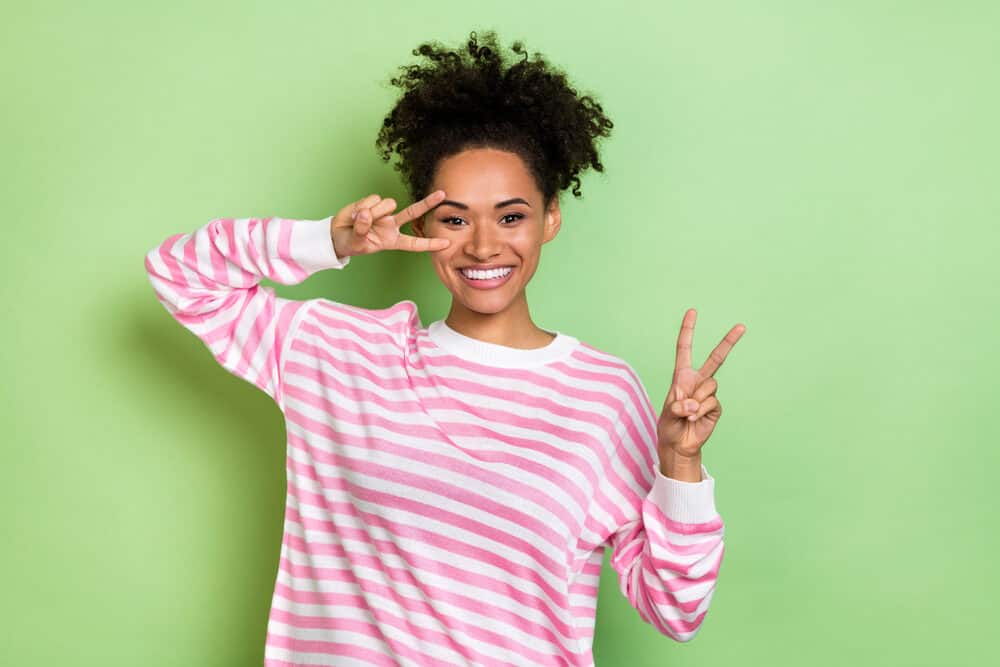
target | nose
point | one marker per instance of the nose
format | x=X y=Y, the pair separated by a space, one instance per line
x=483 y=243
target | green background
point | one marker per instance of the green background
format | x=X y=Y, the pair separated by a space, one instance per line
x=825 y=173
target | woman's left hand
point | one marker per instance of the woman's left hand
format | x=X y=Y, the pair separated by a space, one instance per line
x=691 y=410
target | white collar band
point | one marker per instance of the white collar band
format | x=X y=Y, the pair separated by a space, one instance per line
x=493 y=354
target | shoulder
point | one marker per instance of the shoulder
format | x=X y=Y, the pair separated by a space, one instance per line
x=601 y=361
x=632 y=417
x=616 y=376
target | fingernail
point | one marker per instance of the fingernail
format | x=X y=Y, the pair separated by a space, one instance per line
x=354 y=214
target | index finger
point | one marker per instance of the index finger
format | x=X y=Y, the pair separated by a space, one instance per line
x=683 y=358
x=721 y=351
x=418 y=208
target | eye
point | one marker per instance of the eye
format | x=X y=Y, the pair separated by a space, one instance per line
x=515 y=216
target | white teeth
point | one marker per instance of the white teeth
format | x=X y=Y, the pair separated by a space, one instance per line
x=486 y=275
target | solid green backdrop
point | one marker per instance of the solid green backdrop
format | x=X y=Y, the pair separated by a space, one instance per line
x=824 y=173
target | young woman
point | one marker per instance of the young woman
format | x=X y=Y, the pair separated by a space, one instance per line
x=452 y=488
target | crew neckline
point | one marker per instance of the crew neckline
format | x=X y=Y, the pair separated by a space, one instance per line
x=494 y=354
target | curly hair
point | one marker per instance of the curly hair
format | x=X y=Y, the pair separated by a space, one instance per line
x=473 y=97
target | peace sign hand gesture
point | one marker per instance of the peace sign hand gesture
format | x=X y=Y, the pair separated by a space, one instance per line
x=368 y=226
x=691 y=410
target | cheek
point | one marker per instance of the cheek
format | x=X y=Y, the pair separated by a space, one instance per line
x=441 y=264
x=528 y=246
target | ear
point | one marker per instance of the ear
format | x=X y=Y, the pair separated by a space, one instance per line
x=553 y=220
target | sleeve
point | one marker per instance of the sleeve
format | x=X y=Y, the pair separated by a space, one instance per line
x=665 y=534
x=208 y=281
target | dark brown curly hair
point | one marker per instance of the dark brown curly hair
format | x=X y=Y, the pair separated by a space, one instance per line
x=472 y=97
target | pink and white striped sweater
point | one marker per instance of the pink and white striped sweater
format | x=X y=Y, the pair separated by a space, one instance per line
x=449 y=500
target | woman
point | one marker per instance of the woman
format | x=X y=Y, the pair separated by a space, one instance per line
x=452 y=488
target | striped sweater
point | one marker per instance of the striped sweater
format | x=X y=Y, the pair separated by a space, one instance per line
x=449 y=500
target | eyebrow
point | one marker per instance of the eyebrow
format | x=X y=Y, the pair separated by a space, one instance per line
x=505 y=202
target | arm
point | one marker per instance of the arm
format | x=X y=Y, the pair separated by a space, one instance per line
x=665 y=534
x=208 y=281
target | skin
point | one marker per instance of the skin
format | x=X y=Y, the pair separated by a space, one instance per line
x=459 y=223
x=691 y=409
x=512 y=235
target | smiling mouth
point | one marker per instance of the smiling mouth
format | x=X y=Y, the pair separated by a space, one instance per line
x=487 y=279
x=485 y=273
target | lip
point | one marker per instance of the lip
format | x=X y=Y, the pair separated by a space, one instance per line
x=492 y=283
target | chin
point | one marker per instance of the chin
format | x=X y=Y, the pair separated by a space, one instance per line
x=482 y=304
x=486 y=311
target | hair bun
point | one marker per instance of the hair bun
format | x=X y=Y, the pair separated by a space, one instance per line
x=477 y=96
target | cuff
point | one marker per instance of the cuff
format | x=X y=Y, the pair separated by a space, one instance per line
x=687 y=502
x=311 y=247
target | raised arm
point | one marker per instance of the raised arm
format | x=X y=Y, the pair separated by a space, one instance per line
x=665 y=535
x=208 y=280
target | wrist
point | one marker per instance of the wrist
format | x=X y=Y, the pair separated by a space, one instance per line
x=686 y=468
x=336 y=251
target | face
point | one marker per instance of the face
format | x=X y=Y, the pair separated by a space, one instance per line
x=493 y=214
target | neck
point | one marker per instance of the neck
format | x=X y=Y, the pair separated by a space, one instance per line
x=512 y=327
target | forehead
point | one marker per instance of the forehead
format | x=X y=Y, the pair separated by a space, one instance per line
x=484 y=174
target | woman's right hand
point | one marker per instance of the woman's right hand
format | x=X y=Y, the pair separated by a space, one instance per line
x=368 y=226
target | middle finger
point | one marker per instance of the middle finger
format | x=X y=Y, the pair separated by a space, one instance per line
x=721 y=351
x=418 y=208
